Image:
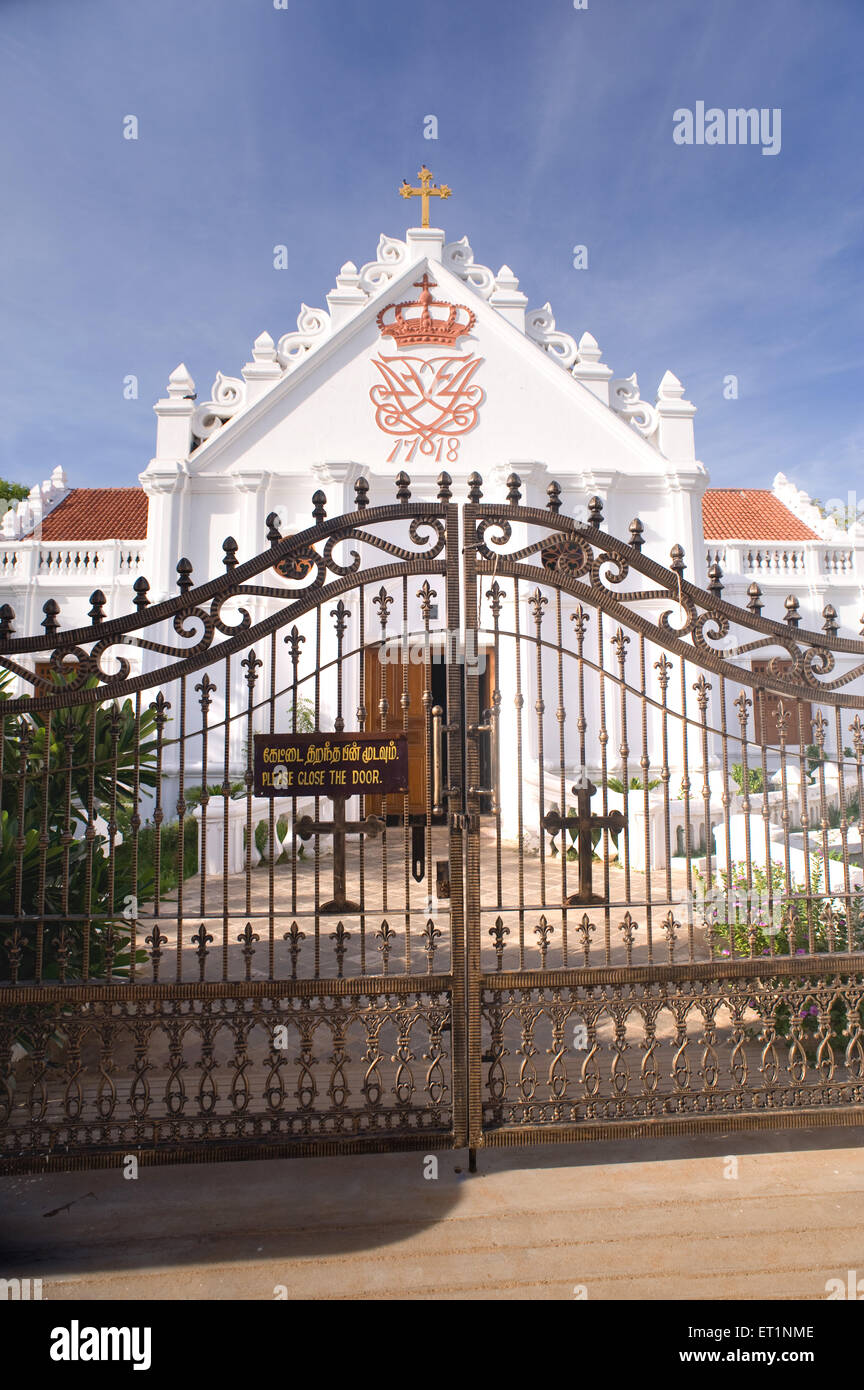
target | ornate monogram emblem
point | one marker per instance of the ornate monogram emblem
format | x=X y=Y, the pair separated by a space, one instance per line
x=426 y=402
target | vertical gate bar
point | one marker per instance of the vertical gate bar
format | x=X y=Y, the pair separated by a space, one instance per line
x=824 y=827
x=538 y=601
x=90 y=835
x=271 y=825
x=135 y=826
x=112 y=837
x=664 y=666
x=205 y=687
x=160 y=706
x=43 y=850
x=561 y=715
x=783 y=716
x=645 y=764
x=603 y=740
x=856 y=729
x=250 y=661
x=181 y=827
x=619 y=642
x=465 y=915
x=520 y=809
x=294 y=639
x=495 y=595
x=766 y=816
x=226 y=793
x=406 y=815
x=384 y=601
x=685 y=789
x=805 y=827
x=844 y=824
x=819 y=728
x=425 y=594
x=362 y=715
x=66 y=732
x=703 y=689
x=317 y=838
x=727 y=801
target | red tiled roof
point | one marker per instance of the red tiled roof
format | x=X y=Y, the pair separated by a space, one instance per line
x=98 y=514
x=750 y=514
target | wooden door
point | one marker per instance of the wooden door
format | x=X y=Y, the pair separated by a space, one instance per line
x=415 y=726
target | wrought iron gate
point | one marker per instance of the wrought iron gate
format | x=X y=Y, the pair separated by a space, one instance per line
x=620 y=895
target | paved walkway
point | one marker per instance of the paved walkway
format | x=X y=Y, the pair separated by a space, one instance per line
x=645 y=1220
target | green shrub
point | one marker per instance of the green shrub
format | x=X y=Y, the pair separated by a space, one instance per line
x=634 y=785
x=755 y=778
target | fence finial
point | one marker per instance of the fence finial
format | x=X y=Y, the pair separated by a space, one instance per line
x=97 y=606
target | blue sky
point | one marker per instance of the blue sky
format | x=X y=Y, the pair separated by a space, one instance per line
x=260 y=126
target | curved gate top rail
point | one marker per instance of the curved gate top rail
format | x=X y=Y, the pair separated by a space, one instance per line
x=573 y=550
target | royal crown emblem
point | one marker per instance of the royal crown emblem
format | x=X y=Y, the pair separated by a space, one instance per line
x=425 y=320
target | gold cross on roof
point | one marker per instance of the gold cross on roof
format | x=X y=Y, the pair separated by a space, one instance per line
x=426 y=191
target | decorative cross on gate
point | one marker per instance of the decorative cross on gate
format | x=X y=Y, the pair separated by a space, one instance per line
x=584 y=822
x=339 y=827
x=426 y=191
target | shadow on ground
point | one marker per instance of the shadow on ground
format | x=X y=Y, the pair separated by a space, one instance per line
x=66 y=1224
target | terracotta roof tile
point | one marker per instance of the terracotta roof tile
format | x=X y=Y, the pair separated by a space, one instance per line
x=98 y=514
x=750 y=514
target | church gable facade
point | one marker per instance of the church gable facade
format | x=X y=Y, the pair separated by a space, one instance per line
x=362 y=391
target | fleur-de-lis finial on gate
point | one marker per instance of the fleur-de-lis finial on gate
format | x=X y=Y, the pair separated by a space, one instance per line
x=383 y=602
x=584 y=931
x=201 y=940
x=206 y=687
x=495 y=595
x=664 y=668
x=385 y=937
x=628 y=929
x=295 y=936
x=340 y=938
x=430 y=945
x=543 y=931
x=671 y=928
x=537 y=602
x=341 y=614
x=247 y=938
x=426 y=594
x=702 y=688
x=498 y=933
x=251 y=664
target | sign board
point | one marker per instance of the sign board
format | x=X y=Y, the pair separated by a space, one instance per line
x=333 y=765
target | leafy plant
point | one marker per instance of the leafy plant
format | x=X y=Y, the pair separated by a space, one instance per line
x=835 y=814
x=193 y=794
x=62 y=772
x=755 y=778
x=747 y=919
x=634 y=785
x=305 y=716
